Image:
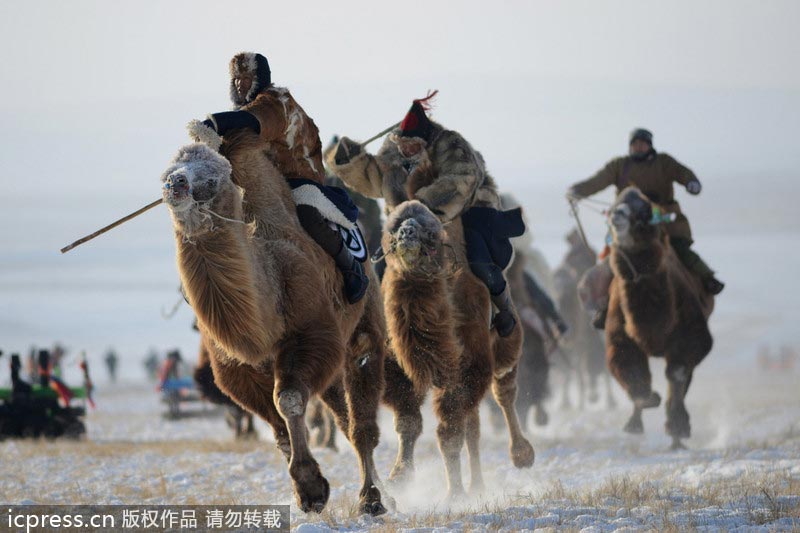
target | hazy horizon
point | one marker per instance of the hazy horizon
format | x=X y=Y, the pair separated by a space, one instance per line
x=94 y=98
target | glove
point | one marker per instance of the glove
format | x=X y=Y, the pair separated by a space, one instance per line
x=694 y=187
x=346 y=151
x=202 y=132
x=226 y=121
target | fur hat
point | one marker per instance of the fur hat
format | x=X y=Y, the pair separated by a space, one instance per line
x=642 y=135
x=416 y=122
x=257 y=66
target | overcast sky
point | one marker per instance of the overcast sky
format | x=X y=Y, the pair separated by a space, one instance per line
x=558 y=72
x=95 y=95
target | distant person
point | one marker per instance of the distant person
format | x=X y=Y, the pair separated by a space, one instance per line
x=654 y=174
x=151 y=364
x=111 y=365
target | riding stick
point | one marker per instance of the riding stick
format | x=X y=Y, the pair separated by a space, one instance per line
x=379 y=135
x=110 y=226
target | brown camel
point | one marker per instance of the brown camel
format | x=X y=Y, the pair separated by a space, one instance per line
x=582 y=345
x=270 y=300
x=438 y=322
x=239 y=420
x=656 y=308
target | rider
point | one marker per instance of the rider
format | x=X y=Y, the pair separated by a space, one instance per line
x=454 y=184
x=654 y=173
x=292 y=144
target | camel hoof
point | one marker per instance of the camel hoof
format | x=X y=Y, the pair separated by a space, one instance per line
x=678 y=427
x=311 y=488
x=542 y=418
x=654 y=400
x=522 y=454
x=454 y=496
x=370 y=502
x=634 y=426
x=477 y=488
x=677 y=445
x=402 y=474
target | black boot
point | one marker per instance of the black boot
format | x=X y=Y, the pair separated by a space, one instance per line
x=355 y=281
x=504 y=320
x=713 y=285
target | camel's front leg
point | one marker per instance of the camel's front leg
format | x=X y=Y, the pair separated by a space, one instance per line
x=449 y=407
x=363 y=384
x=677 y=425
x=251 y=388
x=306 y=362
x=504 y=389
x=401 y=397
x=473 y=435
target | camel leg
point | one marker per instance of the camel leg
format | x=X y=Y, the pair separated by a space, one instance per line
x=330 y=432
x=405 y=402
x=249 y=428
x=251 y=388
x=316 y=422
x=448 y=405
x=566 y=404
x=505 y=392
x=580 y=374
x=473 y=437
x=611 y=403
x=363 y=384
x=305 y=365
x=630 y=367
x=677 y=424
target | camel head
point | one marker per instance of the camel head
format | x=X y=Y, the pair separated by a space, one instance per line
x=413 y=239
x=191 y=184
x=630 y=219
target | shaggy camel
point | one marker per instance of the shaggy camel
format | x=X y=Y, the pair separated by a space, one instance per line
x=582 y=345
x=656 y=308
x=239 y=420
x=438 y=323
x=271 y=301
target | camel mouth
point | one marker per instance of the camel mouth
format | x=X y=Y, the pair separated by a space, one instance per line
x=177 y=189
x=407 y=250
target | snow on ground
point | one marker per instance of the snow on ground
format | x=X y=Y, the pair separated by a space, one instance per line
x=742 y=469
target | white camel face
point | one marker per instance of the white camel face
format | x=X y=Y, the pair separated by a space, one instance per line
x=193 y=176
x=413 y=238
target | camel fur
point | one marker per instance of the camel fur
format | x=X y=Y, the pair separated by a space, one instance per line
x=269 y=300
x=583 y=345
x=438 y=316
x=238 y=419
x=656 y=308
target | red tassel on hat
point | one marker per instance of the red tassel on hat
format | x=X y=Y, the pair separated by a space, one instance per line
x=426 y=102
x=416 y=123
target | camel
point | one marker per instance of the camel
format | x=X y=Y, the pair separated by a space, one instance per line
x=322 y=424
x=583 y=346
x=438 y=323
x=270 y=301
x=656 y=308
x=238 y=419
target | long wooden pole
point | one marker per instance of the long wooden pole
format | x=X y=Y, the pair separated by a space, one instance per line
x=110 y=226
x=379 y=135
x=153 y=204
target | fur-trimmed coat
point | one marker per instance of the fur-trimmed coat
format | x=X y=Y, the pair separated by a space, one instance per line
x=291 y=136
x=448 y=176
x=654 y=177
